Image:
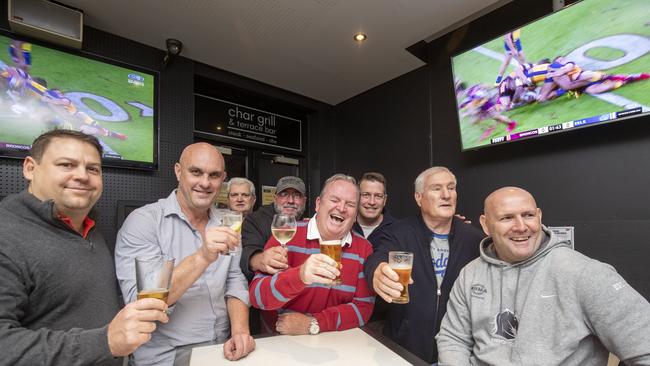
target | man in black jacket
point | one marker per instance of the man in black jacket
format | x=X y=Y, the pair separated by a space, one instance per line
x=371 y=218
x=289 y=199
x=441 y=244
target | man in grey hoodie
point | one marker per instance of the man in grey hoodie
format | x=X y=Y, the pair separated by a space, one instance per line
x=531 y=300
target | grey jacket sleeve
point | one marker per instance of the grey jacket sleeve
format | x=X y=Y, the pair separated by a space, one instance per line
x=43 y=346
x=455 y=340
x=616 y=313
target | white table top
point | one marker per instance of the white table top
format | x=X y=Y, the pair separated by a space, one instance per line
x=350 y=347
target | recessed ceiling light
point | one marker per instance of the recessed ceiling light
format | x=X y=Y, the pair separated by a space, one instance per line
x=360 y=37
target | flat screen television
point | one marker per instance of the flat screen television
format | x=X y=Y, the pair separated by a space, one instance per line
x=582 y=66
x=43 y=88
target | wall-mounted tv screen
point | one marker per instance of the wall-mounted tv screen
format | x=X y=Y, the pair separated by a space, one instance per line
x=42 y=88
x=587 y=64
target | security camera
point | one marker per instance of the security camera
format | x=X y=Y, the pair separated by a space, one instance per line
x=174 y=46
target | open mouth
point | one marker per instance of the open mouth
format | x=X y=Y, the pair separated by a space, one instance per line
x=337 y=218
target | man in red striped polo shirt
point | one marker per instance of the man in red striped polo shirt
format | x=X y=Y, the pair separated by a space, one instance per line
x=302 y=298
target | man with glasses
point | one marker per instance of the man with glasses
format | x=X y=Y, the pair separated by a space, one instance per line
x=289 y=199
x=371 y=217
x=241 y=195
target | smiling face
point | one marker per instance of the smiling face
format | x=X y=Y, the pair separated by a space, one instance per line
x=70 y=173
x=437 y=201
x=373 y=199
x=290 y=202
x=336 y=209
x=514 y=222
x=200 y=174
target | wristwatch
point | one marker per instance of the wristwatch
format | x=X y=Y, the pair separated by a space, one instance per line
x=314 y=328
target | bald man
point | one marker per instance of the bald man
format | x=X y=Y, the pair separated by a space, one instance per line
x=532 y=300
x=209 y=293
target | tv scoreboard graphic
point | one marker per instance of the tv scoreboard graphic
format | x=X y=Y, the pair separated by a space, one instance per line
x=569 y=125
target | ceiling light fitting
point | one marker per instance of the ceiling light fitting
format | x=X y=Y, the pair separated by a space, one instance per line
x=360 y=37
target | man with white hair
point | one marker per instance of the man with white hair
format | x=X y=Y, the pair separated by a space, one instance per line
x=241 y=195
x=441 y=245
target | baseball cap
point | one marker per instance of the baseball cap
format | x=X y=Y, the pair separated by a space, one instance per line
x=291 y=182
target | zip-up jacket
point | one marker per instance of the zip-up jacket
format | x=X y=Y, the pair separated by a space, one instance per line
x=57 y=290
x=414 y=325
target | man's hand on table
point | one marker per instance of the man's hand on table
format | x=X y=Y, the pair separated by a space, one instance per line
x=293 y=324
x=238 y=346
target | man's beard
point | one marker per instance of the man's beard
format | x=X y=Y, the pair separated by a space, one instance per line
x=299 y=210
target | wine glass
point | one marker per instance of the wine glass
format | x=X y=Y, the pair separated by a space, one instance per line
x=233 y=220
x=283 y=228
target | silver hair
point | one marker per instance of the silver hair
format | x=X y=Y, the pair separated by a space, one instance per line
x=337 y=177
x=419 y=181
x=239 y=180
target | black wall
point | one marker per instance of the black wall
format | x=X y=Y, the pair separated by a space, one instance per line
x=595 y=179
x=176 y=125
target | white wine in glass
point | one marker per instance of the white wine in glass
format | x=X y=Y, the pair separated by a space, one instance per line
x=234 y=221
x=283 y=228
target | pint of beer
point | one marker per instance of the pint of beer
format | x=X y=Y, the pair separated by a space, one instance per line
x=402 y=264
x=153 y=276
x=332 y=249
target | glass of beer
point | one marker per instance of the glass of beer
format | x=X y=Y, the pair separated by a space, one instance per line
x=332 y=249
x=402 y=264
x=153 y=276
x=283 y=228
x=233 y=220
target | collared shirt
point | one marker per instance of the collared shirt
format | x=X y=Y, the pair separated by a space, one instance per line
x=200 y=314
x=313 y=234
x=86 y=225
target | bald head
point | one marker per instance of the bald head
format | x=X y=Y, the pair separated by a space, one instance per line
x=513 y=220
x=200 y=150
x=200 y=173
x=505 y=193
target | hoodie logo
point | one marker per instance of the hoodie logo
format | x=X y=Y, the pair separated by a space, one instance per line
x=506 y=324
x=478 y=290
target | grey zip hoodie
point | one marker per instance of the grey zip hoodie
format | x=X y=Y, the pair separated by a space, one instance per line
x=558 y=307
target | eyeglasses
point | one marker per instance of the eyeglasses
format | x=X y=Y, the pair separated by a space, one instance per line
x=235 y=195
x=368 y=195
x=294 y=195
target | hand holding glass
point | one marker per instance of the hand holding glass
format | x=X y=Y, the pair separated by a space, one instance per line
x=233 y=220
x=283 y=228
x=153 y=276
x=402 y=264
x=332 y=249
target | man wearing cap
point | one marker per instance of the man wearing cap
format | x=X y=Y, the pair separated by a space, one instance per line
x=289 y=199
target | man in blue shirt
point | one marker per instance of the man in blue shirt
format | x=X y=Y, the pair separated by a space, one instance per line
x=208 y=294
